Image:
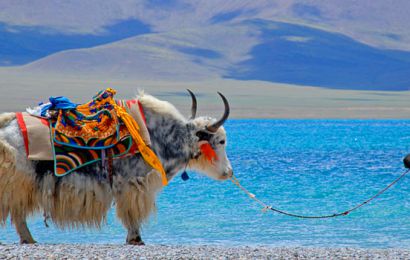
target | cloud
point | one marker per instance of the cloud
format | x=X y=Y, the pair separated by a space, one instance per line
x=70 y=17
x=307 y=11
x=296 y=38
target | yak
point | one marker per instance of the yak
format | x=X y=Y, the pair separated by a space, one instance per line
x=81 y=199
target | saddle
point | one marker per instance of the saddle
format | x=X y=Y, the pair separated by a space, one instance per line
x=99 y=130
x=93 y=125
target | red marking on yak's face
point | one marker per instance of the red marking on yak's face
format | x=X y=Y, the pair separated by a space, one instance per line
x=208 y=152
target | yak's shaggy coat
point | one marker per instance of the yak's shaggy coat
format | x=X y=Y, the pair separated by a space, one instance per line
x=82 y=199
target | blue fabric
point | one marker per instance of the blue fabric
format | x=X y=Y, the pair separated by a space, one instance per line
x=58 y=103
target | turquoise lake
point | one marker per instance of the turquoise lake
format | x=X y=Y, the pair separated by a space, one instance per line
x=302 y=166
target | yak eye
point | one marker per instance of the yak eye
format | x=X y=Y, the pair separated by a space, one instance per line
x=222 y=142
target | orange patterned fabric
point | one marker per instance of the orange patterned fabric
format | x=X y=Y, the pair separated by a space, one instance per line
x=96 y=125
x=96 y=120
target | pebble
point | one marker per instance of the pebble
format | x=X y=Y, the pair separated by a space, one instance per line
x=96 y=251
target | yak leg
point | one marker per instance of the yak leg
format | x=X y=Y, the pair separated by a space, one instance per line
x=129 y=213
x=135 y=201
x=134 y=237
x=23 y=202
x=16 y=192
x=23 y=231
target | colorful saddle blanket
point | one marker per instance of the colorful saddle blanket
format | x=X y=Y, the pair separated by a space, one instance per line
x=89 y=133
x=93 y=125
x=85 y=134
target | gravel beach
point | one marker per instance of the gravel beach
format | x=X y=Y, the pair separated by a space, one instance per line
x=73 y=251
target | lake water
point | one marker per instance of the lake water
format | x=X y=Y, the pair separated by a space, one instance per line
x=303 y=166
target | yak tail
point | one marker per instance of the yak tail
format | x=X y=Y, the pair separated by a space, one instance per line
x=6 y=118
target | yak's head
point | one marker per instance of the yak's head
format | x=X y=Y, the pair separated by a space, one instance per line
x=209 y=156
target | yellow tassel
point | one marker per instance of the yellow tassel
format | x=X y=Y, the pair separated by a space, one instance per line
x=148 y=155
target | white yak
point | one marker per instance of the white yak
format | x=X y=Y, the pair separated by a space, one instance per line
x=80 y=199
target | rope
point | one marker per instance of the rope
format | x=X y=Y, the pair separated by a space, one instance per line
x=267 y=207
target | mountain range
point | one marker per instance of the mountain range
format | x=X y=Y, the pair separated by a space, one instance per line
x=355 y=45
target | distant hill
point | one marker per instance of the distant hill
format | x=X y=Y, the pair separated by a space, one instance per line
x=361 y=45
x=301 y=55
x=22 y=44
x=269 y=51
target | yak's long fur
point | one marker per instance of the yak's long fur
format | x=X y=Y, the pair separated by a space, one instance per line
x=82 y=198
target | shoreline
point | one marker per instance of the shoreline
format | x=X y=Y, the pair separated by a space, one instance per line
x=248 y=99
x=112 y=251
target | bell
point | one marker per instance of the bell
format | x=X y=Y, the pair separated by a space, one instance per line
x=184 y=176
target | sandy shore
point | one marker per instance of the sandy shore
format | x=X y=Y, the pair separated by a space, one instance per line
x=72 y=251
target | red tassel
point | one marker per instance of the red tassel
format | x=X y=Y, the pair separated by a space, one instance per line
x=208 y=152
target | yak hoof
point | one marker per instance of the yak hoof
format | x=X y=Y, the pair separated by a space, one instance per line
x=25 y=242
x=136 y=242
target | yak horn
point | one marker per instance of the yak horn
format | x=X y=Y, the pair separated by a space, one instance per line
x=214 y=127
x=194 y=105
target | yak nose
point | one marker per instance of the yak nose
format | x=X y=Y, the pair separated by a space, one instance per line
x=226 y=174
x=229 y=173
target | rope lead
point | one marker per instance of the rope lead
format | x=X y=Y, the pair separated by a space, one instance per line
x=266 y=207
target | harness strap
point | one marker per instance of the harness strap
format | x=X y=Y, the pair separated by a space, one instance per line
x=23 y=128
x=110 y=168
x=142 y=112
